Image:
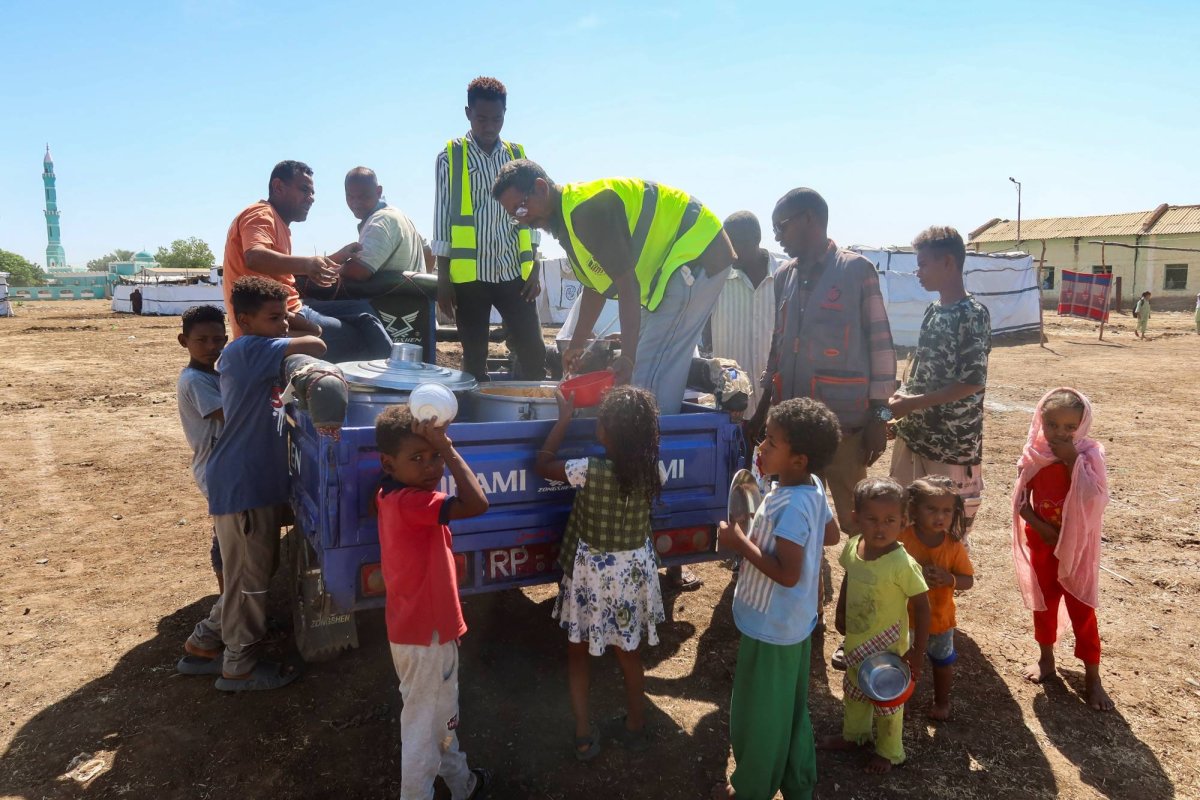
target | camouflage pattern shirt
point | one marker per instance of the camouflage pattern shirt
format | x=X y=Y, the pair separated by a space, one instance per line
x=953 y=348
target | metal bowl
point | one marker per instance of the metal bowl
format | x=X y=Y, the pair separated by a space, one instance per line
x=744 y=498
x=885 y=678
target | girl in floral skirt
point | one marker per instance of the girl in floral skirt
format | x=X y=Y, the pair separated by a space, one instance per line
x=610 y=593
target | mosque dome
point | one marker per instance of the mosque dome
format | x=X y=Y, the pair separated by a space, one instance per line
x=143 y=256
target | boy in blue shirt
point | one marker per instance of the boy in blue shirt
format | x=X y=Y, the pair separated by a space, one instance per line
x=775 y=606
x=247 y=486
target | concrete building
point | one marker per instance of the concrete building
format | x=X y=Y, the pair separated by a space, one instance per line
x=66 y=286
x=1156 y=250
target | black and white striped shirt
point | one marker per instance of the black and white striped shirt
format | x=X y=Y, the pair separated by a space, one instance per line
x=497 y=251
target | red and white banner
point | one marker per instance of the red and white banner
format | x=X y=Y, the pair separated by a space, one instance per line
x=1084 y=295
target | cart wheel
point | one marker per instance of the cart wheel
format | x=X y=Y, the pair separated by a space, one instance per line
x=320 y=633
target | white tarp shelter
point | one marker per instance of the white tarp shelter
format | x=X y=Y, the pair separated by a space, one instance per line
x=5 y=308
x=559 y=290
x=1004 y=282
x=167 y=299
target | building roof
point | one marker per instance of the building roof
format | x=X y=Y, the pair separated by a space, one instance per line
x=1165 y=219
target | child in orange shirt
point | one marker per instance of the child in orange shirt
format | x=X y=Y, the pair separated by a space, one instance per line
x=934 y=541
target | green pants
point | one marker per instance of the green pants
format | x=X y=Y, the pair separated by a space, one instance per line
x=859 y=720
x=769 y=726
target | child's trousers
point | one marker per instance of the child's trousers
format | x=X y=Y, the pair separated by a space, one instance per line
x=859 y=719
x=1045 y=623
x=769 y=726
x=249 y=543
x=429 y=721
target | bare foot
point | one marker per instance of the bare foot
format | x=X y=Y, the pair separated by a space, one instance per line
x=939 y=711
x=1040 y=671
x=722 y=791
x=836 y=742
x=1097 y=698
x=878 y=765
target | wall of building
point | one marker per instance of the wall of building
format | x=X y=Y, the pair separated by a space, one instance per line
x=1139 y=270
x=27 y=293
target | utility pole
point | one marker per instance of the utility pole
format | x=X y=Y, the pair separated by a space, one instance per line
x=1018 y=183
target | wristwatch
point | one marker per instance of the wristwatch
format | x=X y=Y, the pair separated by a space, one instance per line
x=882 y=413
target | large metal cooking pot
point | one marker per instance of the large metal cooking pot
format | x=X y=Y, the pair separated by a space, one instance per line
x=375 y=385
x=513 y=401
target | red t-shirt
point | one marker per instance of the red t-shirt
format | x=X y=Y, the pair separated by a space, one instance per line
x=1048 y=490
x=418 y=566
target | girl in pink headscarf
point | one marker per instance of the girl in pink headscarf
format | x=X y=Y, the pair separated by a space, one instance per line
x=1060 y=497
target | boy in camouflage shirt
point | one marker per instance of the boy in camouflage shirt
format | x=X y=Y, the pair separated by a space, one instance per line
x=939 y=407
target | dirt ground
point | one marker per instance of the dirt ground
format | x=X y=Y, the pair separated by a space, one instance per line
x=104 y=569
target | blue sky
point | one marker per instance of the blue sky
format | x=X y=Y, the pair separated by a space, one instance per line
x=165 y=118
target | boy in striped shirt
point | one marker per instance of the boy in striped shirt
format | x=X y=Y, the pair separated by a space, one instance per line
x=775 y=605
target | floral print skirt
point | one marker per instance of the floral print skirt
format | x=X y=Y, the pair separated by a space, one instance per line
x=611 y=598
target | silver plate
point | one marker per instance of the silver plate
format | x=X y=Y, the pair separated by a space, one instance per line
x=883 y=676
x=744 y=498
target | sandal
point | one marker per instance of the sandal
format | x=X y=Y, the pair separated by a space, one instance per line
x=200 y=660
x=265 y=676
x=591 y=742
x=633 y=741
x=483 y=781
x=685 y=580
x=198 y=665
x=838 y=660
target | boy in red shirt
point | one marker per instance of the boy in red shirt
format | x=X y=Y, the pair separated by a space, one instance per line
x=424 y=618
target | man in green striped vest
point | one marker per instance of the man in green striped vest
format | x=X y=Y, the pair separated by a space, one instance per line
x=662 y=254
x=483 y=260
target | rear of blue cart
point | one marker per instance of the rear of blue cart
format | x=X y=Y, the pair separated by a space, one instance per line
x=335 y=552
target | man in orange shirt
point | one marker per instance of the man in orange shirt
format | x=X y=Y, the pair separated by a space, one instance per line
x=260 y=243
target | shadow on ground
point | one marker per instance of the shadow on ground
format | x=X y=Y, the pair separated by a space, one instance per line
x=335 y=732
x=1102 y=748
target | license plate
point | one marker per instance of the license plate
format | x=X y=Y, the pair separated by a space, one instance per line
x=521 y=561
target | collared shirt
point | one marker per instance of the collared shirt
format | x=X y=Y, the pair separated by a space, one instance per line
x=744 y=318
x=390 y=241
x=497 y=250
x=873 y=317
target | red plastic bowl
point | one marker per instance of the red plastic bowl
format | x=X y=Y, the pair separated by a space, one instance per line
x=899 y=701
x=586 y=390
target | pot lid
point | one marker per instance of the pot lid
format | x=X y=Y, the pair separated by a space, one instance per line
x=401 y=375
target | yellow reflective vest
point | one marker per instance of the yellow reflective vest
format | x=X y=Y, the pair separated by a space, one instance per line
x=464 y=264
x=668 y=227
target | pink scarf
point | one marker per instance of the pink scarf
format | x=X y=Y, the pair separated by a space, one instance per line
x=1078 y=548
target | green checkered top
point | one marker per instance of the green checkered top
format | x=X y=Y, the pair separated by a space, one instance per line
x=604 y=518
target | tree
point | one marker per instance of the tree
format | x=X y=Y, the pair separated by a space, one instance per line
x=21 y=271
x=189 y=253
x=101 y=264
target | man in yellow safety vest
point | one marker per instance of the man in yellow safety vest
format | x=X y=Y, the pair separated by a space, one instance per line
x=483 y=260
x=662 y=254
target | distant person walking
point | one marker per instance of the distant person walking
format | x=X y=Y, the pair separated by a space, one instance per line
x=1141 y=310
x=1197 y=312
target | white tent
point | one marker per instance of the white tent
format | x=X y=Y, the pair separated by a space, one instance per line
x=167 y=299
x=1004 y=282
x=5 y=308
